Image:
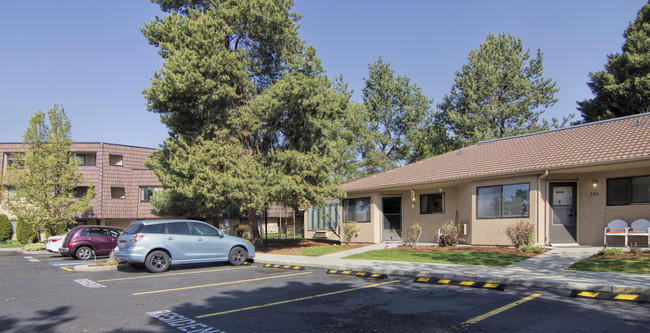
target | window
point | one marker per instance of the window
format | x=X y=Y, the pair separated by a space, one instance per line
x=200 y=229
x=503 y=201
x=85 y=159
x=356 y=210
x=178 y=228
x=80 y=159
x=115 y=160
x=80 y=192
x=11 y=191
x=630 y=190
x=432 y=203
x=117 y=193
x=12 y=159
x=146 y=193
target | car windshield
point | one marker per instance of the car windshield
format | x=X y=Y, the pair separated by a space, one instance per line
x=133 y=229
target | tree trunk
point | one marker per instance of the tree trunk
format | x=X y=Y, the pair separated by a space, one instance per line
x=255 y=231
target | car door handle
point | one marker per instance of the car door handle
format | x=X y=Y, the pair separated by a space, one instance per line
x=170 y=238
x=200 y=239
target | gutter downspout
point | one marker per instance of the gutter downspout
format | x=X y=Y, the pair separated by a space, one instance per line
x=540 y=179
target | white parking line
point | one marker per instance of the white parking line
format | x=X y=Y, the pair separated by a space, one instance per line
x=89 y=283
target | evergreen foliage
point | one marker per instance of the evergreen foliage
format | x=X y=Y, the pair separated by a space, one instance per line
x=501 y=92
x=399 y=124
x=23 y=233
x=5 y=228
x=623 y=88
x=45 y=176
x=252 y=117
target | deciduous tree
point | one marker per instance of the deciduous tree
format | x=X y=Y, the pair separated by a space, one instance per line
x=45 y=176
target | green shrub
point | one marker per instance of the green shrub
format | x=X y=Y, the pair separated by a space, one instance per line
x=5 y=228
x=350 y=231
x=35 y=247
x=23 y=233
x=413 y=235
x=450 y=234
x=241 y=230
x=531 y=249
x=610 y=252
x=522 y=234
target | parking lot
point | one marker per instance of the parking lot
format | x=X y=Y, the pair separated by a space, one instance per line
x=40 y=293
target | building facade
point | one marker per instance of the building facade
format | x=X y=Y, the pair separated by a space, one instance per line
x=123 y=184
x=569 y=183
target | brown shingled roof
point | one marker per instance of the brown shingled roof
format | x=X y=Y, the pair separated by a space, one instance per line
x=620 y=139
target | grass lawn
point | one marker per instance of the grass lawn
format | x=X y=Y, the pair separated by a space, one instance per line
x=317 y=251
x=11 y=246
x=639 y=265
x=443 y=257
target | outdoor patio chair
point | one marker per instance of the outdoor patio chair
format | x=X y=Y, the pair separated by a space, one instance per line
x=640 y=227
x=616 y=227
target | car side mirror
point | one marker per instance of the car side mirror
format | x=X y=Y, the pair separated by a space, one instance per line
x=221 y=234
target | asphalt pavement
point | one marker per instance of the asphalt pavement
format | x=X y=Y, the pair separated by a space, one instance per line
x=547 y=270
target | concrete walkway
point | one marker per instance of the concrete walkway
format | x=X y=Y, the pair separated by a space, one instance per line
x=547 y=270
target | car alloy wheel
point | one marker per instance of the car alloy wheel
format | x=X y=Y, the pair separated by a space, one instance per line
x=157 y=261
x=84 y=253
x=237 y=256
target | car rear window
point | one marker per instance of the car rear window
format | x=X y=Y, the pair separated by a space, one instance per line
x=154 y=229
x=133 y=229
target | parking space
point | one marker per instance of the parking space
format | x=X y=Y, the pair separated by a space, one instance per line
x=254 y=298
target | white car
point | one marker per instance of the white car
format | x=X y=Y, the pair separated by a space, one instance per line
x=54 y=243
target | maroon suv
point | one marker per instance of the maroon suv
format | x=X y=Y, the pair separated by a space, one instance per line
x=86 y=241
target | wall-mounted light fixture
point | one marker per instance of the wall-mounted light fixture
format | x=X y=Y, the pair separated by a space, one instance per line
x=412 y=198
x=440 y=189
x=595 y=184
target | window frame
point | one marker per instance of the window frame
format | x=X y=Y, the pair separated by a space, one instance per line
x=629 y=198
x=501 y=202
x=114 y=190
x=347 y=203
x=149 y=190
x=428 y=212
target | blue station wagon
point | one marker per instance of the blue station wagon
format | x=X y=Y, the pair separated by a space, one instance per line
x=160 y=243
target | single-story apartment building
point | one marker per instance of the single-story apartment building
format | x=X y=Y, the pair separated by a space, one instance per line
x=569 y=183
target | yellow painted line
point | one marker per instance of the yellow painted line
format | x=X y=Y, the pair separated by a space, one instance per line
x=499 y=310
x=467 y=283
x=444 y=281
x=626 y=297
x=588 y=294
x=490 y=285
x=67 y=269
x=293 y=300
x=423 y=280
x=149 y=276
x=219 y=284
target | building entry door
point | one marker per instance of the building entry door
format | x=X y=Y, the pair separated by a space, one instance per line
x=564 y=213
x=392 y=218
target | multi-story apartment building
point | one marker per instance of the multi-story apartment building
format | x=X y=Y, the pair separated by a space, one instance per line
x=122 y=183
x=123 y=186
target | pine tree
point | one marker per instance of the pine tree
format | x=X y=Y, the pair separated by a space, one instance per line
x=623 y=88
x=252 y=117
x=501 y=92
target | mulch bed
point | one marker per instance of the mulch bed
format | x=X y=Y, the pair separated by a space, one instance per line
x=294 y=246
x=495 y=249
x=644 y=254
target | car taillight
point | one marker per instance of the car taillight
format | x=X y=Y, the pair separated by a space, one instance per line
x=135 y=238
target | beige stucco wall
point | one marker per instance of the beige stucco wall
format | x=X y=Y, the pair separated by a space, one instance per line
x=492 y=231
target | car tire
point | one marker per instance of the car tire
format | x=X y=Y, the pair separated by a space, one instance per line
x=157 y=262
x=237 y=256
x=84 y=253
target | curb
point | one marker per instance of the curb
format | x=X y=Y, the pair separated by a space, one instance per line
x=94 y=268
x=536 y=283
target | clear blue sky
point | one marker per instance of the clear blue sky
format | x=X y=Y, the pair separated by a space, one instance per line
x=90 y=56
